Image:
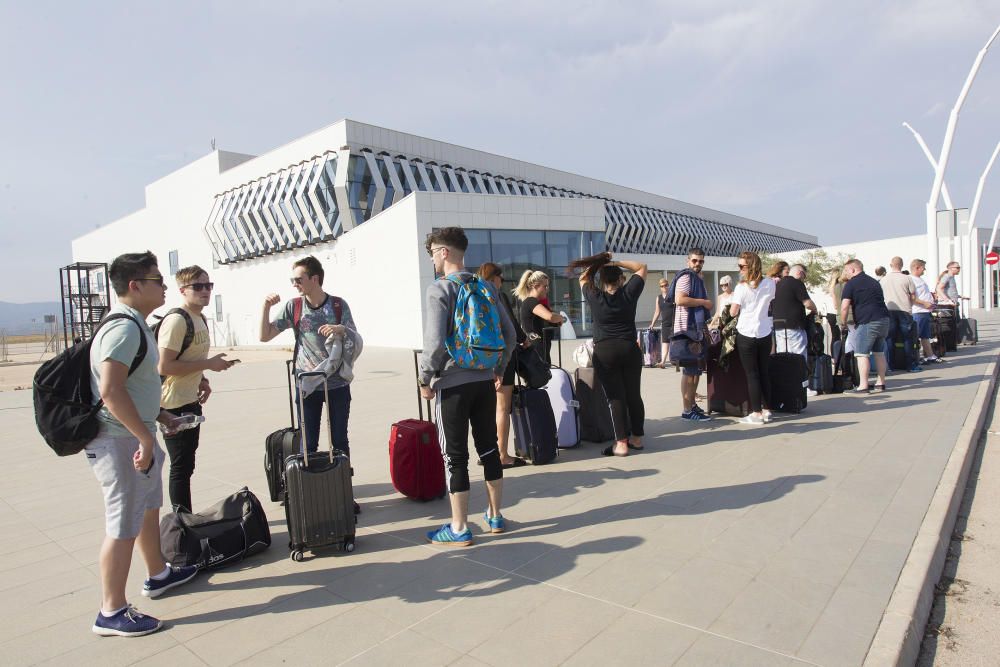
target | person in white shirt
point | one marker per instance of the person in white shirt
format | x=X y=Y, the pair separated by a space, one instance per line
x=750 y=303
x=921 y=308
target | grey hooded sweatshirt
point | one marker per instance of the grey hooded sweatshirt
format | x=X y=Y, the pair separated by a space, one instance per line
x=437 y=368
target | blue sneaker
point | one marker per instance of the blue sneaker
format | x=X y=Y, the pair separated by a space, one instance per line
x=915 y=368
x=496 y=523
x=126 y=623
x=693 y=415
x=153 y=588
x=445 y=536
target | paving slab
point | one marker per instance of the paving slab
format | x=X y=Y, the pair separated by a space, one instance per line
x=720 y=544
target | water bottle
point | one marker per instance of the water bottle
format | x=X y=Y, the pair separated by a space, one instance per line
x=184 y=422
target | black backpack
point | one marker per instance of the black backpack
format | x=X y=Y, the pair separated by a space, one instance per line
x=188 y=334
x=65 y=412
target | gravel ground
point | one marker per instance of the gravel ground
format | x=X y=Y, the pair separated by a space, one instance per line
x=962 y=630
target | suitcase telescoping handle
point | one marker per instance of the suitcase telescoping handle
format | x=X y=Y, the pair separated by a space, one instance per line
x=420 y=399
x=302 y=411
x=289 y=368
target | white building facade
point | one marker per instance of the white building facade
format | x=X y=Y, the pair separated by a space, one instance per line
x=362 y=200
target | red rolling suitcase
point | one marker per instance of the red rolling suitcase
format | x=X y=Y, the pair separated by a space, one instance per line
x=416 y=465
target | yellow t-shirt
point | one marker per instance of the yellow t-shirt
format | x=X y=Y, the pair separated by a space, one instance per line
x=180 y=390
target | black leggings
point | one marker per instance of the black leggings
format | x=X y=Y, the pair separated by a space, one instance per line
x=181 y=448
x=618 y=365
x=754 y=355
x=473 y=404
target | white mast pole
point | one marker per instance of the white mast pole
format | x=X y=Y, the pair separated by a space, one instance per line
x=930 y=158
x=931 y=210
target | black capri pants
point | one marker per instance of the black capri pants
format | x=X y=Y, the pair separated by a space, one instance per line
x=618 y=365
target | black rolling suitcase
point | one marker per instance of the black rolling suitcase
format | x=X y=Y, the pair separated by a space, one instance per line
x=789 y=376
x=535 y=436
x=278 y=446
x=595 y=413
x=319 y=495
x=727 y=387
x=968 y=331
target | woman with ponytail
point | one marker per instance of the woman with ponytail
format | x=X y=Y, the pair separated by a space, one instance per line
x=617 y=358
x=532 y=290
x=750 y=304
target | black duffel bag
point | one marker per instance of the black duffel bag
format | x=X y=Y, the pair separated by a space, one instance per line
x=226 y=532
x=530 y=366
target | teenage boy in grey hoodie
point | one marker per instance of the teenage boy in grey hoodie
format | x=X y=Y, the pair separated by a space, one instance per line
x=464 y=396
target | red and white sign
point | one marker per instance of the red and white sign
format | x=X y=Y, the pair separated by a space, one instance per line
x=992 y=258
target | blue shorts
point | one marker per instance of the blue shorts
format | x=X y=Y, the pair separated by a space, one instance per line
x=871 y=337
x=923 y=321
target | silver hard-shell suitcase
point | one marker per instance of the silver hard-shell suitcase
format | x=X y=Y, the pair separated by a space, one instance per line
x=319 y=500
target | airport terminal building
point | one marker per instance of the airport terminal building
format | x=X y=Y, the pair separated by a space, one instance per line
x=362 y=199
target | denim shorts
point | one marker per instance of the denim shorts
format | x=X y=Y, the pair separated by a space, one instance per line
x=871 y=336
x=128 y=493
x=923 y=321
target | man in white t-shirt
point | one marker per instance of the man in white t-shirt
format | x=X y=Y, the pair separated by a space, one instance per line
x=923 y=303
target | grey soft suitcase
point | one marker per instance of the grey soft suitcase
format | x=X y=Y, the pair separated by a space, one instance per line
x=319 y=496
x=564 y=408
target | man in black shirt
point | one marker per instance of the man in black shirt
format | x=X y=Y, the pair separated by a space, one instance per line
x=791 y=302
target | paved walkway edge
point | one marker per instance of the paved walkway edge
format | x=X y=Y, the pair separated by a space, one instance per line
x=901 y=631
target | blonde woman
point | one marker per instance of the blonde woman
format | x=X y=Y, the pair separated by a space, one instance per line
x=750 y=303
x=660 y=314
x=532 y=289
x=778 y=270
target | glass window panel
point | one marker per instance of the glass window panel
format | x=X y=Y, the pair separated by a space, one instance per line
x=597 y=242
x=433 y=180
x=479 y=248
x=514 y=246
x=383 y=166
x=360 y=188
x=174 y=264
x=564 y=247
x=418 y=176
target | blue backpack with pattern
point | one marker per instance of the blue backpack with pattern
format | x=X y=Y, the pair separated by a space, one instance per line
x=475 y=337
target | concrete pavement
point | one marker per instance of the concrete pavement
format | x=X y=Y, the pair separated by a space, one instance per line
x=720 y=544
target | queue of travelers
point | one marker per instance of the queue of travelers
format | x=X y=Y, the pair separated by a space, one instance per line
x=159 y=375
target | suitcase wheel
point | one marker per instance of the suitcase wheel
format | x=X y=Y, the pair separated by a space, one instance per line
x=349 y=544
x=297 y=556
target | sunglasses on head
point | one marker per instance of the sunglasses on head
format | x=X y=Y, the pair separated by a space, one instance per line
x=200 y=287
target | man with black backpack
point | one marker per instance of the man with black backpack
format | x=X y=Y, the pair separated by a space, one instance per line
x=125 y=456
x=468 y=340
x=183 y=341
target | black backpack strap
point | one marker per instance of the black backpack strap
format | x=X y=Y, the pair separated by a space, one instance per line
x=140 y=354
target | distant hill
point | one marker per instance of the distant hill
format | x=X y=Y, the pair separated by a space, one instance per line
x=17 y=318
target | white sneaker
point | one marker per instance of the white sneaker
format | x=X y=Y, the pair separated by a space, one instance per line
x=766 y=414
x=752 y=419
x=810 y=392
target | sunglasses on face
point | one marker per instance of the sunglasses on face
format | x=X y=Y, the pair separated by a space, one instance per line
x=297 y=280
x=158 y=280
x=742 y=266
x=434 y=250
x=200 y=287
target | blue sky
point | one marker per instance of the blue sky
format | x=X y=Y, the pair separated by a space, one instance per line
x=785 y=111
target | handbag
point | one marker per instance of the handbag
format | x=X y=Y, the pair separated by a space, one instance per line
x=583 y=355
x=531 y=368
x=685 y=350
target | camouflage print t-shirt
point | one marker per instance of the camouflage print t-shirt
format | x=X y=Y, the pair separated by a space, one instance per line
x=312 y=345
